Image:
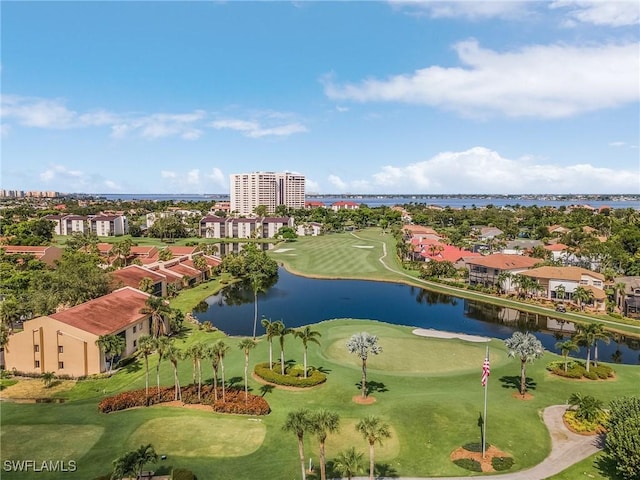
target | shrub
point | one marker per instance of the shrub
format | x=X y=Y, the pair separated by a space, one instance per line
x=622 y=444
x=591 y=375
x=134 y=398
x=500 y=464
x=468 y=464
x=602 y=371
x=235 y=403
x=583 y=426
x=315 y=377
x=475 y=446
x=182 y=474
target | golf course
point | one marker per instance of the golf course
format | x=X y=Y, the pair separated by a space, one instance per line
x=427 y=390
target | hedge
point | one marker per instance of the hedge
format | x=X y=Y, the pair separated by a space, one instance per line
x=469 y=464
x=314 y=378
x=500 y=464
x=577 y=370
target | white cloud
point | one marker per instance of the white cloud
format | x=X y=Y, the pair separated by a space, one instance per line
x=338 y=183
x=472 y=9
x=255 y=128
x=311 y=186
x=193 y=177
x=218 y=178
x=161 y=125
x=540 y=81
x=168 y=174
x=73 y=180
x=342 y=109
x=600 y=12
x=194 y=181
x=37 y=112
x=481 y=170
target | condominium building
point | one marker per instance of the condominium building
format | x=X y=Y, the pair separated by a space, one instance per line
x=249 y=190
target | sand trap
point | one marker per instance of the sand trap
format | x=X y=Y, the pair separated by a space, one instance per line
x=363 y=246
x=282 y=250
x=423 y=332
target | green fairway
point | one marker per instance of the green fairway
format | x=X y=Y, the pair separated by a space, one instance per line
x=204 y=435
x=427 y=389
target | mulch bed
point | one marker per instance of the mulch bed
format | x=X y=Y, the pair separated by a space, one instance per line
x=364 y=401
x=485 y=463
x=519 y=396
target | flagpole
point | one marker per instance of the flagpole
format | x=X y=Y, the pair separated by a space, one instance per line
x=484 y=416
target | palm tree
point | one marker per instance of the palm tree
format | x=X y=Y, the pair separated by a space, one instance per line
x=146 y=346
x=4 y=337
x=162 y=345
x=48 y=378
x=527 y=348
x=124 y=465
x=561 y=291
x=587 y=408
x=211 y=353
x=322 y=423
x=599 y=334
x=363 y=344
x=566 y=347
x=158 y=309
x=222 y=349
x=298 y=422
x=257 y=279
x=111 y=346
x=282 y=332
x=144 y=454
x=585 y=336
x=272 y=331
x=503 y=279
x=582 y=296
x=348 y=463
x=196 y=352
x=307 y=335
x=10 y=312
x=246 y=344
x=373 y=430
x=174 y=355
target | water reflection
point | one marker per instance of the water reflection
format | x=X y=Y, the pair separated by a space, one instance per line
x=303 y=301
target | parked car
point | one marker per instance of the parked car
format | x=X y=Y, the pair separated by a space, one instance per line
x=561 y=308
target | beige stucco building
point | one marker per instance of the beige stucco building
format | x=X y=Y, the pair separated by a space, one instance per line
x=65 y=342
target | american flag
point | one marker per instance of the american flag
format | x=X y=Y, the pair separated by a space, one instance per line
x=485 y=371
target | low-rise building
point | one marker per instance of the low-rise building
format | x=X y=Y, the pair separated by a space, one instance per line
x=65 y=342
x=628 y=296
x=486 y=270
x=565 y=280
x=45 y=253
x=109 y=225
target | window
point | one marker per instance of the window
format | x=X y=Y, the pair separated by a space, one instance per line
x=60 y=349
x=60 y=365
x=134 y=328
x=36 y=348
x=36 y=364
x=135 y=343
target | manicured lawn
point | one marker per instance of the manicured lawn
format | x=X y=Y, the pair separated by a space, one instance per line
x=431 y=399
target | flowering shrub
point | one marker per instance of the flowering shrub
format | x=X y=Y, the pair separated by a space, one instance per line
x=235 y=401
x=292 y=379
x=577 y=370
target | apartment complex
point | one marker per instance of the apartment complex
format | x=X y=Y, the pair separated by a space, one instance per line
x=249 y=190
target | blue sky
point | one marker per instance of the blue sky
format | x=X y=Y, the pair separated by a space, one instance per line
x=360 y=97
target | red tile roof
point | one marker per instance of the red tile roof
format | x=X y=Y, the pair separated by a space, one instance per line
x=132 y=275
x=502 y=261
x=178 y=251
x=181 y=269
x=562 y=273
x=107 y=314
x=556 y=247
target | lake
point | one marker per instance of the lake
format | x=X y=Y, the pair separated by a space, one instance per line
x=299 y=301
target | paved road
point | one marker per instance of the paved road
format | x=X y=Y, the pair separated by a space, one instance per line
x=567 y=448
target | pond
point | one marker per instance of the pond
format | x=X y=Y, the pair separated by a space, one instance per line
x=299 y=301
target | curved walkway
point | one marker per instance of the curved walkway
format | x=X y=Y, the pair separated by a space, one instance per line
x=567 y=448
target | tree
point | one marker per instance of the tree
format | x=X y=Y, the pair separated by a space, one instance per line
x=504 y=278
x=363 y=344
x=561 y=291
x=246 y=345
x=221 y=349
x=374 y=431
x=158 y=308
x=298 y=422
x=124 y=466
x=146 y=345
x=4 y=337
x=527 y=348
x=261 y=270
x=587 y=408
x=322 y=423
x=162 y=345
x=144 y=454
x=566 y=347
x=112 y=346
x=196 y=352
x=174 y=355
x=211 y=352
x=122 y=250
x=599 y=333
x=48 y=378
x=282 y=332
x=271 y=330
x=201 y=264
x=348 y=463
x=585 y=336
x=146 y=285
x=622 y=443
x=307 y=336
x=582 y=296
x=10 y=312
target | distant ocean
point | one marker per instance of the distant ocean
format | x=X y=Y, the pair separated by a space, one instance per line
x=457 y=201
